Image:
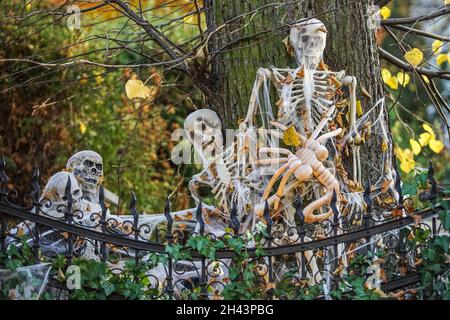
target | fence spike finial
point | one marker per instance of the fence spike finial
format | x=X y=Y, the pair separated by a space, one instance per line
x=433 y=184
x=299 y=211
x=133 y=202
x=235 y=224
x=168 y=216
x=3 y=176
x=334 y=207
x=267 y=214
x=199 y=216
x=367 y=198
x=101 y=201
x=398 y=187
x=36 y=188
x=67 y=190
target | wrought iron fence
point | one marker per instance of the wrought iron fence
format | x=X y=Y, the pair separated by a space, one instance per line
x=292 y=257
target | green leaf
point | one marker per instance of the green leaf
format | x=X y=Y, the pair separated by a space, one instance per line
x=443 y=242
x=108 y=288
x=410 y=189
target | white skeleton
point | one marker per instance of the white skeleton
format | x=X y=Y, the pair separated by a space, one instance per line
x=229 y=173
x=55 y=191
x=87 y=167
x=305 y=93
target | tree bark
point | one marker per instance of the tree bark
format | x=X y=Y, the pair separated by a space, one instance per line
x=252 y=38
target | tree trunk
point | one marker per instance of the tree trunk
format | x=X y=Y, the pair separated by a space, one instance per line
x=252 y=38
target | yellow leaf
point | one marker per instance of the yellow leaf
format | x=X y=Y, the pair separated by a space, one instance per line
x=447 y=2
x=425 y=138
x=436 y=145
x=441 y=58
x=28 y=7
x=437 y=46
x=384 y=146
x=414 y=56
x=406 y=158
x=82 y=127
x=407 y=166
x=428 y=129
x=136 y=89
x=403 y=78
x=359 y=110
x=425 y=78
x=386 y=75
x=288 y=46
x=392 y=83
x=98 y=77
x=385 y=12
x=415 y=146
x=190 y=18
x=291 y=137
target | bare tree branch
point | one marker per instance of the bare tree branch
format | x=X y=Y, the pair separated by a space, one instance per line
x=168 y=46
x=88 y=62
x=421 y=33
x=382 y=3
x=438 y=13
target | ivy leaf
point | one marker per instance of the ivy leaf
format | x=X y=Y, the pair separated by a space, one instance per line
x=410 y=189
x=414 y=56
x=443 y=242
x=108 y=288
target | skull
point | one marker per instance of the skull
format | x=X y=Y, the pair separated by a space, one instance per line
x=204 y=131
x=308 y=39
x=87 y=167
x=55 y=191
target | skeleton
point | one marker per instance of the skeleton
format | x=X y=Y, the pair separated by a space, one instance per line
x=87 y=167
x=55 y=191
x=309 y=92
x=227 y=171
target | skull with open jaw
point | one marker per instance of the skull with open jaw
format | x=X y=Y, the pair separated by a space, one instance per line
x=87 y=167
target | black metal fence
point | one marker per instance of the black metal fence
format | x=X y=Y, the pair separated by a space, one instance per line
x=289 y=256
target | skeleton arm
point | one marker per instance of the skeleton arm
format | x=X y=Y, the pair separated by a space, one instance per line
x=351 y=82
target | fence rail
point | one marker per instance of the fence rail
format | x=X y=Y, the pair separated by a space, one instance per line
x=292 y=253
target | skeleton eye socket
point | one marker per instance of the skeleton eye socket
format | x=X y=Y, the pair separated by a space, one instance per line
x=305 y=38
x=88 y=163
x=99 y=166
x=76 y=192
x=64 y=198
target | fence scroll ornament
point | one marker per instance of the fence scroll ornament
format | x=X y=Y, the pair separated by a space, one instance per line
x=288 y=222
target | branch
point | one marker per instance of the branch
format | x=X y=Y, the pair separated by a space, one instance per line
x=407 y=67
x=381 y=3
x=88 y=62
x=441 y=12
x=167 y=45
x=421 y=32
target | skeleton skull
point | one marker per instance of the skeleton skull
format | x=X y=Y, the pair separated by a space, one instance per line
x=55 y=191
x=204 y=131
x=308 y=39
x=87 y=167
